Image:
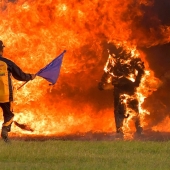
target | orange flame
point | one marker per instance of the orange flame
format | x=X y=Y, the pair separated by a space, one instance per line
x=34 y=32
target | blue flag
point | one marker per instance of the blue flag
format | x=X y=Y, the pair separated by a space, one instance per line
x=52 y=70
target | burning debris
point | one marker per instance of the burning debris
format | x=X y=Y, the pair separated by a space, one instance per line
x=23 y=126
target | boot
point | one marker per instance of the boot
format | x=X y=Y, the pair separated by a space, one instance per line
x=119 y=133
x=139 y=130
x=4 y=134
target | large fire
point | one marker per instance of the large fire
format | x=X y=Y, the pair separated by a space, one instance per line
x=35 y=32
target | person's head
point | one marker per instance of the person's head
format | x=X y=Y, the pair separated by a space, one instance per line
x=1 y=47
x=119 y=52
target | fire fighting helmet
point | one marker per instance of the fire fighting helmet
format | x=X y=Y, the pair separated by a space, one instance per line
x=116 y=51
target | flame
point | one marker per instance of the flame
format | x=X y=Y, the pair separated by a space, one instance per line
x=148 y=85
x=35 y=32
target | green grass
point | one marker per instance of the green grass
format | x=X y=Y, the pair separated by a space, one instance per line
x=85 y=155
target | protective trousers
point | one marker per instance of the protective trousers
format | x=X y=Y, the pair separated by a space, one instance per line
x=7 y=113
x=120 y=108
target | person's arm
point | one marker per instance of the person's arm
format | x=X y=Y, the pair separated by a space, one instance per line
x=18 y=74
x=140 y=68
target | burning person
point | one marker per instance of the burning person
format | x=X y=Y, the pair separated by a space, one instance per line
x=8 y=68
x=123 y=73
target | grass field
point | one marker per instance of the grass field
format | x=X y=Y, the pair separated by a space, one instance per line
x=85 y=155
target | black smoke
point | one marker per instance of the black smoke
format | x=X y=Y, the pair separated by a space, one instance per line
x=158 y=57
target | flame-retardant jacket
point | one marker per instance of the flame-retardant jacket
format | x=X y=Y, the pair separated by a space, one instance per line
x=8 y=68
x=122 y=69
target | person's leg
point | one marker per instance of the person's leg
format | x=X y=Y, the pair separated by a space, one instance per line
x=133 y=104
x=119 y=111
x=8 y=119
x=138 y=126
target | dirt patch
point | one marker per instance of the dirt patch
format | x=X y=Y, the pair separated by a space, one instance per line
x=91 y=136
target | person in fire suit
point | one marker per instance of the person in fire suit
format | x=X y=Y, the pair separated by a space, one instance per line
x=8 y=68
x=123 y=73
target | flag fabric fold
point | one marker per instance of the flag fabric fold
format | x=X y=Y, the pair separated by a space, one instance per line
x=52 y=70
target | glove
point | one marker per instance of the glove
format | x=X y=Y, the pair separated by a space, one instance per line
x=100 y=86
x=33 y=76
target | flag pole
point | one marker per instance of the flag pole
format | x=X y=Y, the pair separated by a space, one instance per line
x=25 y=83
x=22 y=85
